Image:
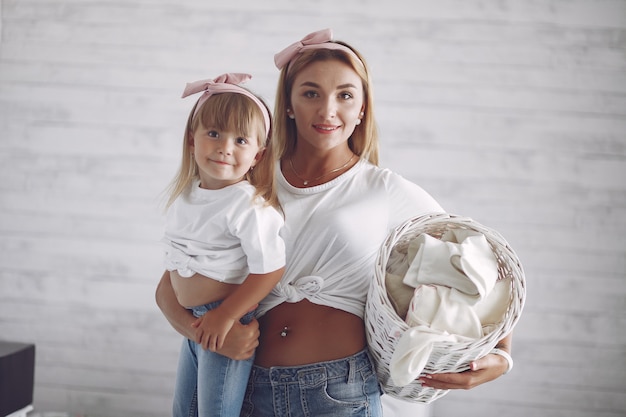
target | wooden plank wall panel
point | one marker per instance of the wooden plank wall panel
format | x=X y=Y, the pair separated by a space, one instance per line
x=511 y=112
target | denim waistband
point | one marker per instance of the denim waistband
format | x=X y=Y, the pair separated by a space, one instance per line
x=295 y=374
x=203 y=308
x=200 y=310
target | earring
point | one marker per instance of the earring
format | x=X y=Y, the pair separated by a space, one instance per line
x=290 y=114
x=358 y=121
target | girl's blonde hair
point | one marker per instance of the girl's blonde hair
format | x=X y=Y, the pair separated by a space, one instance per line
x=363 y=141
x=236 y=112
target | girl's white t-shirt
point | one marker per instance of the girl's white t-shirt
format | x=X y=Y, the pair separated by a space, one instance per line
x=223 y=234
x=333 y=232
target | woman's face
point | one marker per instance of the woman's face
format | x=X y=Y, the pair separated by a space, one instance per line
x=326 y=100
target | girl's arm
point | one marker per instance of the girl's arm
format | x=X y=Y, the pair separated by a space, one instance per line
x=482 y=370
x=215 y=324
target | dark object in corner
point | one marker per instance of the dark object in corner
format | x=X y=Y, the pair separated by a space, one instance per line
x=17 y=376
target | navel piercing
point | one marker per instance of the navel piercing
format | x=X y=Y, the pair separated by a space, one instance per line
x=284 y=332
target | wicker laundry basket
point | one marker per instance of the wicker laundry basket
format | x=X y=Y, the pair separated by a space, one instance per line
x=384 y=327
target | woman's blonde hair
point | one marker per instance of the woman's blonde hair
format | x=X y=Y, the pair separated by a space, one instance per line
x=363 y=141
x=236 y=112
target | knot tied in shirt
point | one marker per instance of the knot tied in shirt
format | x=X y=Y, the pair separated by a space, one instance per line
x=177 y=260
x=301 y=288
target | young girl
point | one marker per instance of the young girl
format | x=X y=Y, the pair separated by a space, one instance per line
x=222 y=243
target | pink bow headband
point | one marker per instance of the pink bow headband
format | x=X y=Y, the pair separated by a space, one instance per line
x=321 y=39
x=225 y=83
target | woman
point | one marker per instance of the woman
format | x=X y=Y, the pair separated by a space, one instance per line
x=339 y=206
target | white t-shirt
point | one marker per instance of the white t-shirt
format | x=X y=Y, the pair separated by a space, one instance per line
x=223 y=234
x=333 y=232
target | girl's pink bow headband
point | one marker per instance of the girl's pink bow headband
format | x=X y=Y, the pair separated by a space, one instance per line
x=225 y=83
x=321 y=39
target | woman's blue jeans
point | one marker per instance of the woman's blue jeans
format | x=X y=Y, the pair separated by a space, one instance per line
x=207 y=383
x=344 y=387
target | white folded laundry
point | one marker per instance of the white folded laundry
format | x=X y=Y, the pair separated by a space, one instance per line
x=464 y=260
x=412 y=351
x=457 y=297
x=441 y=314
x=472 y=255
x=399 y=294
x=445 y=310
x=492 y=309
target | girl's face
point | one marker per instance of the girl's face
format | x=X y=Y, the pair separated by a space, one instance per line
x=326 y=100
x=223 y=157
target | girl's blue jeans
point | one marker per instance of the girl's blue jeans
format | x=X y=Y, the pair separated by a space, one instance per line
x=207 y=383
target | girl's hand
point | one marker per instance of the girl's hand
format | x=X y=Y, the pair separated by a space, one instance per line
x=212 y=328
x=241 y=341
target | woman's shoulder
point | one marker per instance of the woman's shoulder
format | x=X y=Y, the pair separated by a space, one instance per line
x=385 y=176
x=397 y=188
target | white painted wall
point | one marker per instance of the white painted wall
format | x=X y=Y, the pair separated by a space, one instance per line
x=511 y=112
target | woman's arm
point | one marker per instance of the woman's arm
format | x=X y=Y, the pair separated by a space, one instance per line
x=179 y=317
x=482 y=370
x=240 y=341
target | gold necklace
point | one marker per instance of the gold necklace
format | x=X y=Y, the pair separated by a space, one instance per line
x=306 y=182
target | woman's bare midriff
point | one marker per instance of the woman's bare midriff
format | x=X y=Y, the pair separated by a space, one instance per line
x=301 y=333
x=199 y=290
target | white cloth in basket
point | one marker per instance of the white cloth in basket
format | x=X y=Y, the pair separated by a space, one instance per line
x=462 y=259
x=454 y=278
